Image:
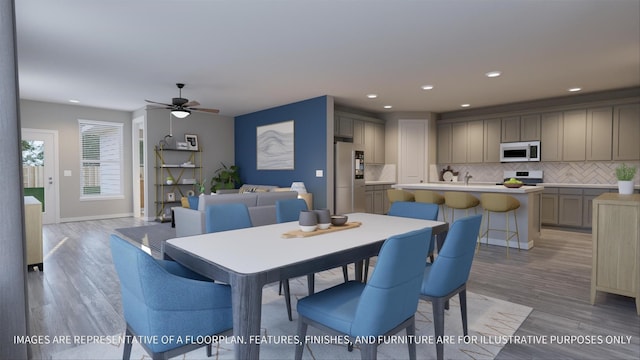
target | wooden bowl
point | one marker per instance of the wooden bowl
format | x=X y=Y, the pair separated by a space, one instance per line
x=513 y=186
x=338 y=220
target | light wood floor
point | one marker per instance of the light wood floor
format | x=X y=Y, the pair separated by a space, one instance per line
x=78 y=292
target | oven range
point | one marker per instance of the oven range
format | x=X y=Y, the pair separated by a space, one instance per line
x=528 y=177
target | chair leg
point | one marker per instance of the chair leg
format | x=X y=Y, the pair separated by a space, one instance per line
x=287 y=298
x=507 y=236
x=411 y=333
x=488 y=225
x=302 y=332
x=369 y=351
x=280 y=288
x=209 y=351
x=366 y=271
x=438 y=324
x=126 y=353
x=515 y=219
x=463 y=310
x=345 y=273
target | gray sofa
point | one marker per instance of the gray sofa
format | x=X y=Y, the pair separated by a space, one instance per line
x=261 y=204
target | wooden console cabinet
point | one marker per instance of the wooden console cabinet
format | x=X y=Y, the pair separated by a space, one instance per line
x=616 y=246
x=33 y=231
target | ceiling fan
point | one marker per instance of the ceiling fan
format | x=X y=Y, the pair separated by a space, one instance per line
x=181 y=107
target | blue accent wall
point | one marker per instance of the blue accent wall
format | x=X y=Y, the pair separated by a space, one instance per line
x=310 y=146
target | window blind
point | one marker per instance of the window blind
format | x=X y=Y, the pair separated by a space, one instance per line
x=101 y=159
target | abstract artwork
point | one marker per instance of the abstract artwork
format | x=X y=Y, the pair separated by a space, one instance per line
x=275 y=146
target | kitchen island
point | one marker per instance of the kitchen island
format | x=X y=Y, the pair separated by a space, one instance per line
x=528 y=214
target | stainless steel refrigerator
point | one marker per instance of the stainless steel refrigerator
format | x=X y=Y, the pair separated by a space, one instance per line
x=349 y=178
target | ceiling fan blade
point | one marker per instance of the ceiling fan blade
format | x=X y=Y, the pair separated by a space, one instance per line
x=191 y=103
x=213 y=111
x=155 y=102
x=158 y=108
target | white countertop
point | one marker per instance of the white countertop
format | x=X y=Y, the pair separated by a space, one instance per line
x=472 y=187
x=379 y=182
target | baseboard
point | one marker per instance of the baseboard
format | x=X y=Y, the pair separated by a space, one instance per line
x=95 y=217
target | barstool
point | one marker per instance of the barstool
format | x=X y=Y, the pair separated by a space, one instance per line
x=399 y=195
x=501 y=203
x=461 y=201
x=431 y=197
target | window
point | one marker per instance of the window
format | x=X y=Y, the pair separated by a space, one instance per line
x=100 y=159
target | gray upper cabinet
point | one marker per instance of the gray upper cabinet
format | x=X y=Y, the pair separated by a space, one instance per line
x=475 y=141
x=521 y=128
x=343 y=126
x=530 y=127
x=444 y=143
x=358 y=133
x=626 y=132
x=574 y=135
x=551 y=137
x=491 y=144
x=374 y=142
x=459 y=143
x=599 y=133
x=511 y=129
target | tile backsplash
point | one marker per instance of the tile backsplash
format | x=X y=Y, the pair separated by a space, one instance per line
x=386 y=172
x=554 y=172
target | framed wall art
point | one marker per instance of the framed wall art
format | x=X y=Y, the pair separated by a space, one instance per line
x=192 y=141
x=275 y=146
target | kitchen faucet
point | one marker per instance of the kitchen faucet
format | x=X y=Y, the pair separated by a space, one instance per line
x=466 y=178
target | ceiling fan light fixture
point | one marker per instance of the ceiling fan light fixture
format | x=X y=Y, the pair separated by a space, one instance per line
x=180 y=113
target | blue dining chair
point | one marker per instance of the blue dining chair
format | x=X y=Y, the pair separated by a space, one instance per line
x=448 y=274
x=162 y=299
x=383 y=306
x=229 y=216
x=289 y=210
x=416 y=210
x=413 y=210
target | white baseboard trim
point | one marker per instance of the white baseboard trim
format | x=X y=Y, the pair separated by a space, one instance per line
x=95 y=217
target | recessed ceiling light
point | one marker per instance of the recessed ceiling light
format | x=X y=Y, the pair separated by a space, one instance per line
x=372 y=96
x=465 y=105
x=387 y=106
x=493 y=74
x=574 y=89
x=426 y=87
x=74 y=101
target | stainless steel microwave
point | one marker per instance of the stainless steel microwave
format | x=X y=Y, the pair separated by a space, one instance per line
x=520 y=151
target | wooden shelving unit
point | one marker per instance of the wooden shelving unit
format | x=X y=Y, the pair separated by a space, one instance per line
x=181 y=166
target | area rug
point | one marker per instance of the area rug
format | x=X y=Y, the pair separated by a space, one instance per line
x=151 y=236
x=491 y=321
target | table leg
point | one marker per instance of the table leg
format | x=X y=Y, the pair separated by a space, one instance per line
x=246 y=296
x=311 y=282
x=359 y=265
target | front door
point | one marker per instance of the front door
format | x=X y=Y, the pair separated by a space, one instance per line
x=39 y=175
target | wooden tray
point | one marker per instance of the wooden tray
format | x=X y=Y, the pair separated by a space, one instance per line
x=299 y=233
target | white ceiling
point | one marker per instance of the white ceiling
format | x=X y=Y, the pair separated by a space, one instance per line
x=244 y=56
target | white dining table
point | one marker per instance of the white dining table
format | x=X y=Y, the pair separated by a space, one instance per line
x=247 y=259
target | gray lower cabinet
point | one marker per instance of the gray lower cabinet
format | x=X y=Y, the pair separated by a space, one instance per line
x=570 y=207
x=377 y=201
x=549 y=206
x=587 y=204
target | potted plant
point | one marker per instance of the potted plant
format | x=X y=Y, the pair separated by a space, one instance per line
x=625 y=176
x=225 y=177
x=201 y=187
